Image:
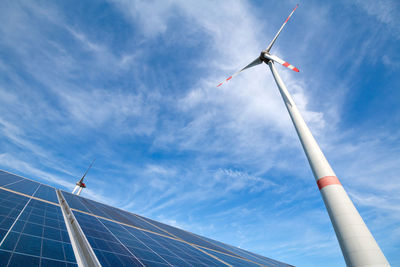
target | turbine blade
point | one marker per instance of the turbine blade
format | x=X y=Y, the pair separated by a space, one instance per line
x=252 y=64
x=90 y=166
x=283 y=25
x=281 y=61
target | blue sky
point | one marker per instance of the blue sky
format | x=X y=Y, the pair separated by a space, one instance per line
x=133 y=84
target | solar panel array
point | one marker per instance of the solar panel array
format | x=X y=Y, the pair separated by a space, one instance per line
x=33 y=233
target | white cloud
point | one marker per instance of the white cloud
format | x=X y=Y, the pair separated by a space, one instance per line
x=151 y=16
x=231 y=180
x=384 y=11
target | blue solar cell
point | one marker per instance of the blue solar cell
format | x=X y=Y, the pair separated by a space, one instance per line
x=51 y=263
x=29 y=245
x=5 y=222
x=69 y=253
x=52 y=233
x=25 y=186
x=2 y=233
x=10 y=242
x=33 y=229
x=36 y=218
x=4 y=257
x=8 y=178
x=23 y=260
x=47 y=193
x=52 y=249
x=52 y=222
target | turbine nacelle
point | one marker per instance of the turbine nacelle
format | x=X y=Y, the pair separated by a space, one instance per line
x=81 y=184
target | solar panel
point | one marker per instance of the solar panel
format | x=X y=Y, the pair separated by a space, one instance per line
x=8 y=178
x=33 y=233
x=47 y=193
x=187 y=236
x=246 y=254
x=102 y=210
x=113 y=242
x=38 y=236
x=107 y=248
x=148 y=247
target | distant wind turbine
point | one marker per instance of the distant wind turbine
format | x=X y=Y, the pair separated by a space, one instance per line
x=80 y=184
x=358 y=246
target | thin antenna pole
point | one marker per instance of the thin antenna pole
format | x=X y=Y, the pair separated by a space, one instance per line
x=358 y=246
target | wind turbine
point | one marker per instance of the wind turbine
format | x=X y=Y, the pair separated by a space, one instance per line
x=80 y=184
x=358 y=246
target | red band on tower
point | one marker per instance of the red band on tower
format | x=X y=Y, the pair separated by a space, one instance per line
x=327 y=180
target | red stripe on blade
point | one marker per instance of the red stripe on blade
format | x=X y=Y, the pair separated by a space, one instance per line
x=296 y=69
x=229 y=78
x=219 y=85
x=286 y=64
x=327 y=180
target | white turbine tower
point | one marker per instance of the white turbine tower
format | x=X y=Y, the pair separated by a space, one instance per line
x=80 y=184
x=358 y=246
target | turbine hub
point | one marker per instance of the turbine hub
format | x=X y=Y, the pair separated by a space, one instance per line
x=263 y=58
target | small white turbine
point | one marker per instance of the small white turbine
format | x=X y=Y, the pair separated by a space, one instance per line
x=358 y=246
x=80 y=184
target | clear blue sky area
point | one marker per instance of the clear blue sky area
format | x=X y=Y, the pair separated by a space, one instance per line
x=133 y=84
